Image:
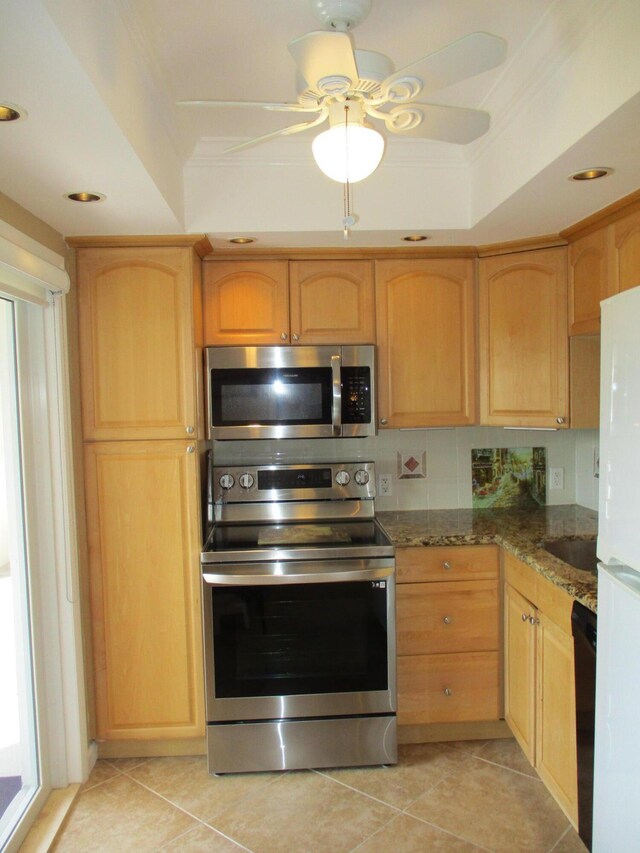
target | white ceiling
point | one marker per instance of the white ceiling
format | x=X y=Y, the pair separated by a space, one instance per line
x=100 y=81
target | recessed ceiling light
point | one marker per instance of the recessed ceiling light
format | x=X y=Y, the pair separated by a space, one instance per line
x=11 y=112
x=591 y=174
x=241 y=241
x=85 y=196
x=415 y=238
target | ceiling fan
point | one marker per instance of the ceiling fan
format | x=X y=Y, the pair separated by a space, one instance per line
x=347 y=86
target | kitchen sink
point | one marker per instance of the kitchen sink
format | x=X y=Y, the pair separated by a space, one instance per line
x=579 y=553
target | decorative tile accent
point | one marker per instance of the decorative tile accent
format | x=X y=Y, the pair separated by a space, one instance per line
x=411 y=466
x=508 y=477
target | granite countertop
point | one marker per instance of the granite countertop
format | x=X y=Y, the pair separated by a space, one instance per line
x=516 y=530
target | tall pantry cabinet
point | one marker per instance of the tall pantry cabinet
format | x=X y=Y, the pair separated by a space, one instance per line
x=140 y=357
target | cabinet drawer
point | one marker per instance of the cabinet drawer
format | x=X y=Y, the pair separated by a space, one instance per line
x=446 y=563
x=448 y=688
x=447 y=617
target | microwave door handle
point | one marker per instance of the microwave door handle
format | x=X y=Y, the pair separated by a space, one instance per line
x=336 y=394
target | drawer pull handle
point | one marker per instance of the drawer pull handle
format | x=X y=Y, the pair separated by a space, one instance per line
x=447 y=620
x=447 y=691
x=446 y=565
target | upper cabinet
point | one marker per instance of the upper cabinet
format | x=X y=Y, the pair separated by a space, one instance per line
x=426 y=342
x=523 y=339
x=625 y=253
x=281 y=302
x=138 y=342
x=588 y=282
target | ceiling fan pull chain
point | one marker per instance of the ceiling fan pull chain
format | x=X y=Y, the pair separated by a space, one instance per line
x=347 y=218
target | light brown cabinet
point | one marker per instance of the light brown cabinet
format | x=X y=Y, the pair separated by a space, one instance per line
x=523 y=340
x=426 y=342
x=138 y=359
x=281 y=302
x=447 y=635
x=140 y=334
x=144 y=542
x=625 y=253
x=588 y=268
x=539 y=679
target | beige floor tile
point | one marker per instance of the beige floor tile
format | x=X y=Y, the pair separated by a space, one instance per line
x=202 y=839
x=472 y=747
x=186 y=782
x=120 y=815
x=127 y=764
x=408 y=835
x=507 y=753
x=494 y=808
x=102 y=771
x=304 y=811
x=420 y=767
x=570 y=843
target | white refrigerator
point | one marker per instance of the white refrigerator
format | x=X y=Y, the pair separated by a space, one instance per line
x=616 y=809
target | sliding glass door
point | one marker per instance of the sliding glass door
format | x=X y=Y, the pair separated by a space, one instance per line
x=19 y=753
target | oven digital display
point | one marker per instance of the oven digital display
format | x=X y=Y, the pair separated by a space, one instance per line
x=296 y=478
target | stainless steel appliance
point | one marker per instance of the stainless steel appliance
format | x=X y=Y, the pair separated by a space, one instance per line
x=299 y=620
x=290 y=392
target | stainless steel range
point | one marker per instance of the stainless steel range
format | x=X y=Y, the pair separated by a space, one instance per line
x=299 y=619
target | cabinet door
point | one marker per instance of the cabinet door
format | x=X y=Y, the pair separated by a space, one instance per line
x=332 y=302
x=520 y=669
x=450 y=688
x=246 y=303
x=144 y=537
x=625 y=253
x=136 y=343
x=426 y=343
x=588 y=282
x=523 y=340
x=556 y=729
x=447 y=617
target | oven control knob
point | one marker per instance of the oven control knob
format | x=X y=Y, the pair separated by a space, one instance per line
x=226 y=481
x=343 y=477
x=362 y=477
x=246 y=481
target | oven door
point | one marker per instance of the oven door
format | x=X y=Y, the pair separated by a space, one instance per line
x=299 y=639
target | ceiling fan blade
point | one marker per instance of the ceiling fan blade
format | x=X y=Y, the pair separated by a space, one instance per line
x=294 y=108
x=463 y=58
x=432 y=121
x=285 y=131
x=324 y=54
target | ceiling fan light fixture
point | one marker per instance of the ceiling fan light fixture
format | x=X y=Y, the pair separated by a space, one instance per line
x=348 y=152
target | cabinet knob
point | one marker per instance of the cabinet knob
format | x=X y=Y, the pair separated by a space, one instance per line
x=559 y=420
x=295 y=337
x=383 y=421
x=191 y=448
x=447 y=691
x=533 y=620
x=447 y=620
x=525 y=618
x=446 y=566
x=190 y=430
x=283 y=336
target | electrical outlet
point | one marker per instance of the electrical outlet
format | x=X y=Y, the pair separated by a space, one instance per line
x=556 y=478
x=385 y=489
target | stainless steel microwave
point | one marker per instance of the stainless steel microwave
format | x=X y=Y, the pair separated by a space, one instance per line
x=290 y=392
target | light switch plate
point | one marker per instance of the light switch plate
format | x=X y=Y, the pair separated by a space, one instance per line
x=556 y=478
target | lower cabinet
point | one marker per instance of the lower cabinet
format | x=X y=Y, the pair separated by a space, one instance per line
x=539 y=679
x=448 y=635
x=144 y=540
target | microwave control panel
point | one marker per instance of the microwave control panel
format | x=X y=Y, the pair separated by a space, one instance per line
x=356 y=395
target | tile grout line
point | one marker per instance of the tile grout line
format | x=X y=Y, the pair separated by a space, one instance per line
x=562 y=835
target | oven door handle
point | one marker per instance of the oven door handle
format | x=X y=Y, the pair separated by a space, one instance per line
x=336 y=394
x=277 y=574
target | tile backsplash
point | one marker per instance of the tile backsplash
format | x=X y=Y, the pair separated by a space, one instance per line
x=443 y=454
